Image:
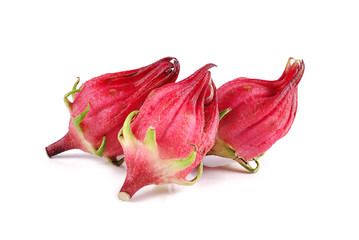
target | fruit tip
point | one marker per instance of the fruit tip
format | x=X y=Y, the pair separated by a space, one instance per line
x=212 y=65
x=124 y=196
x=173 y=58
x=170 y=58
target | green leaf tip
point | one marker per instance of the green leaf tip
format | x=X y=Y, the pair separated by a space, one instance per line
x=194 y=180
x=182 y=163
x=78 y=119
x=246 y=165
x=126 y=133
x=74 y=88
x=72 y=93
x=101 y=149
x=224 y=112
x=150 y=139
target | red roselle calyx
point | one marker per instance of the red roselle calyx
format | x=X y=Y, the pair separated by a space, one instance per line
x=101 y=105
x=255 y=114
x=173 y=130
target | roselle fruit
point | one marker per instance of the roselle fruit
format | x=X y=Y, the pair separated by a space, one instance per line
x=170 y=134
x=101 y=105
x=255 y=114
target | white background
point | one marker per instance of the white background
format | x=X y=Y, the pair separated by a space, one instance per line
x=308 y=182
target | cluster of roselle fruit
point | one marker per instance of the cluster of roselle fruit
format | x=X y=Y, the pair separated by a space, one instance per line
x=163 y=129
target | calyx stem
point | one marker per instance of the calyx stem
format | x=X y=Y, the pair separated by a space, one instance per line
x=64 y=144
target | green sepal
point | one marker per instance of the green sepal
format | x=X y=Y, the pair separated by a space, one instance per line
x=150 y=139
x=125 y=134
x=116 y=162
x=224 y=112
x=182 y=163
x=101 y=150
x=74 y=88
x=233 y=153
x=78 y=119
x=72 y=93
x=223 y=149
x=194 y=180
x=246 y=165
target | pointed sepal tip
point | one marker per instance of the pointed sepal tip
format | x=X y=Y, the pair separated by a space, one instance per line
x=126 y=133
x=72 y=93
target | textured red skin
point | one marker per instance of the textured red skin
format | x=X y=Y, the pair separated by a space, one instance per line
x=261 y=113
x=181 y=113
x=112 y=97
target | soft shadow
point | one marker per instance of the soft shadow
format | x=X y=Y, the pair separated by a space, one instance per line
x=77 y=155
x=209 y=175
x=82 y=157
x=227 y=168
x=215 y=163
x=86 y=156
x=153 y=191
